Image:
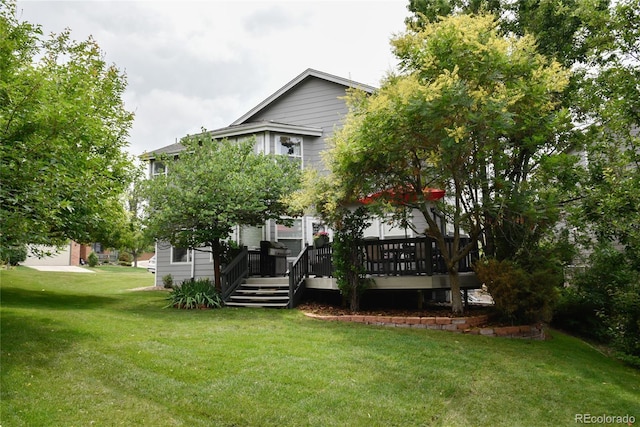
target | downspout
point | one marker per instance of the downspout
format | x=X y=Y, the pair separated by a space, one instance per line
x=193 y=264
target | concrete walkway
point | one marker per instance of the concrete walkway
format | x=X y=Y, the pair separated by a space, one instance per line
x=60 y=268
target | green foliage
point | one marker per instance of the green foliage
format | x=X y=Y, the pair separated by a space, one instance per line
x=472 y=112
x=214 y=186
x=93 y=259
x=348 y=260
x=566 y=30
x=132 y=236
x=63 y=128
x=167 y=281
x=13 y=255
x=520 y=296
x=603 y=303
x=124 y=259
x=195 y=293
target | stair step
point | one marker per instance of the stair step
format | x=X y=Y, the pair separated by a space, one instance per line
x=282 y=281
x=262 y=291
x=266 y=292
x=258 y=287
x=259 y=297
x=257 y=304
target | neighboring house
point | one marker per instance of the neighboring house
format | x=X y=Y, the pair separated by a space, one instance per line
x=69 y=254
x=296 y=121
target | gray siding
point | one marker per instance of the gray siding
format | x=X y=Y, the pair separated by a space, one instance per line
x=314 y=102
x=181 y=271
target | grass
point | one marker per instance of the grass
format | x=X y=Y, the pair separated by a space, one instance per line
x=81 y=349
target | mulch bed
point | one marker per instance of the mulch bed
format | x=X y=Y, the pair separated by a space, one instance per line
x=429 y=311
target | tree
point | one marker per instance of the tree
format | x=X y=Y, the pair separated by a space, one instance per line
x=214 y=186
x=470 y=111
x=326 y=196
x=609 y=105
x=63 y=127
x=565 y=31
x=133 y=236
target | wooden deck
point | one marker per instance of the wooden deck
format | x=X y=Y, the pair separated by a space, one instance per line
x=393 y=264
x=437 y=281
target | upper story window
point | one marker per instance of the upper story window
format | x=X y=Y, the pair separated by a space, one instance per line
x=290 y=146
x=158 y=168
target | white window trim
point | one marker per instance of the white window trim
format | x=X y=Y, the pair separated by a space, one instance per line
x=189 y=257
x=153 y=168
x=278 y=147
x=302 y=232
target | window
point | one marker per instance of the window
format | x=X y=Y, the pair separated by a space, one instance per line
x=291 y=236
x=289 y=146
x=158 y=168
x=180 y=255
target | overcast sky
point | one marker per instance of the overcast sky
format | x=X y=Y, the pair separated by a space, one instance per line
x=204 y=64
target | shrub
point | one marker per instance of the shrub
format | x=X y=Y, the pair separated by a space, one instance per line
x=348 y=261
x=124 y=259
x=603 y=303
x=167 y=281
x=93 y=259
x=13 y=255
x=519 y=296
x=195 y=293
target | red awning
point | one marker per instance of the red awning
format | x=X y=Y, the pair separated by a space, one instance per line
x=402 y=197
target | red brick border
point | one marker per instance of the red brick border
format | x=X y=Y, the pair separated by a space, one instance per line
x=466 y=325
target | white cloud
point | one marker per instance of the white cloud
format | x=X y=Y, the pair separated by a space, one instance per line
x=205 y=63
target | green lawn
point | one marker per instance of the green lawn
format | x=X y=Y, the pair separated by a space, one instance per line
x=80 y=349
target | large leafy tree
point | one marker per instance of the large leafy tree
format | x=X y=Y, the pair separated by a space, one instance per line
x=564 y=30
x=471 y=111
x=212 y=187
x=63 y=128
x=609 y=104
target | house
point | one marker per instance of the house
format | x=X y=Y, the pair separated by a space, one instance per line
x=296 y=121
x=72 y=253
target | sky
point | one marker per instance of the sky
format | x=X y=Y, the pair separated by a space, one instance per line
x=205 y=63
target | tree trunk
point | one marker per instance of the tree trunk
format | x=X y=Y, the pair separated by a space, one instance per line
x=215 y=254
x=456 y=299
x=354 y=303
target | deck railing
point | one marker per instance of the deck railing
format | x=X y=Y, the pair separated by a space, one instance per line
x=320 y=261
x=232 y=275
x=411 y=256
x=298 y=271
x=395 y=257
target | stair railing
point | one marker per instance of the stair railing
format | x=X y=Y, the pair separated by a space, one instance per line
x=234 y=273
x=298 y=271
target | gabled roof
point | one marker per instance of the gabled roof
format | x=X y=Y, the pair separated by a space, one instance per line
x=238 y=130
x=169 y=149
x=261 y=126
x=239 y=127
x=309 y=72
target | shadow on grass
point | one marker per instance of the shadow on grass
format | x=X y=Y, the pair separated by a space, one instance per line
x=34 y=342
x=23 y=298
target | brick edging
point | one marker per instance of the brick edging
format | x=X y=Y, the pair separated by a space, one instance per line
x=466 y=325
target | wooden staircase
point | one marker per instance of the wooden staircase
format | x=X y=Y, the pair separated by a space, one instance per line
x=261 y=292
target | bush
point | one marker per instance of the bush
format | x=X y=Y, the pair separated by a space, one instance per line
x=167 y=281
x=93 y=259
x=124 y=259
x=519 y=296
x=603 y=303
x=13 y=255
x=195 y=293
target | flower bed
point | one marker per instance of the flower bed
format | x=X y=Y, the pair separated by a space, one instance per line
x=474 y=325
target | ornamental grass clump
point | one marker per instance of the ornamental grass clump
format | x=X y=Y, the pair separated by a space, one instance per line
x=195 y=293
